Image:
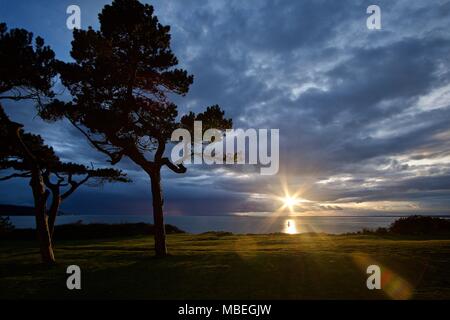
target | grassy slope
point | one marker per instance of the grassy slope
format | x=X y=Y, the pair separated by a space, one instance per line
x=232 y=267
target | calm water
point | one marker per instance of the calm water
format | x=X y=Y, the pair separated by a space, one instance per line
x=235 y=224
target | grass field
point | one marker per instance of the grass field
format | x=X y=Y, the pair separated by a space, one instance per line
x=215 y=266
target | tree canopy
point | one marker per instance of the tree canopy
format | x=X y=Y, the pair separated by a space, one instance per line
x=27 y=68
x=121 y=82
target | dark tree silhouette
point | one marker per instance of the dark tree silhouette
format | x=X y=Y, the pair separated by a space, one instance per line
x=26 y=73
x=26 y=69
x=67 y=183
x=62 y=179
x=121 y=82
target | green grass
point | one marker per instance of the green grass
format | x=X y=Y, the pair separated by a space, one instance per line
x=214 y=266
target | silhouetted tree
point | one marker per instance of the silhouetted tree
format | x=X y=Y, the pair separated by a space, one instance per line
x=26 y=73
x=26 y=68
x=66 y=183
x=62 y=179
x=121 y=81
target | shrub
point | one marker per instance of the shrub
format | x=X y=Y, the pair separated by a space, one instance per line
x=421 y=225
x=80 y=231
x=5 y=225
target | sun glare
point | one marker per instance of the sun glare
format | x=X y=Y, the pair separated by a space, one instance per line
x=290 y=227
x=290 y=202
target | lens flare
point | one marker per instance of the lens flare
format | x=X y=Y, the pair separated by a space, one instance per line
x=290 y=202
x=393 y=285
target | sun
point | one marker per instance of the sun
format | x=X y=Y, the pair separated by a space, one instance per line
x=290 y=202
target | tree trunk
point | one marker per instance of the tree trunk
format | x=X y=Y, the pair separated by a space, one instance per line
x=158 y=216
x=53 y=211
x=45 y=243
x=40 y=199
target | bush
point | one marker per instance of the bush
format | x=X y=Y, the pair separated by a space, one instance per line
x=80 y=231
x=5 y=225
x=421 y=225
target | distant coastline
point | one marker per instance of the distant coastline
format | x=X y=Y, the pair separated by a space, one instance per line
x=19 y=211
x=24 y=211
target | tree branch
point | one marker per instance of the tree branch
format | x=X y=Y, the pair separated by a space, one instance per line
x=180 y=168
x=17 y=98
x=114 y=156
x=160 y=151
x=74 y=186
x=16 y=175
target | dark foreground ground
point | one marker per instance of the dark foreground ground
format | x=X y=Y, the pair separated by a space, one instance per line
x=217 y=266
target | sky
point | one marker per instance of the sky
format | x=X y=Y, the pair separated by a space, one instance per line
x=363 y=114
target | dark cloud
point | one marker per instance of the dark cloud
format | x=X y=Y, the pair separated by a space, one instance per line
x=363 y=115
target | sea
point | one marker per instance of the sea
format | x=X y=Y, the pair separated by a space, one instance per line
x=235 y=224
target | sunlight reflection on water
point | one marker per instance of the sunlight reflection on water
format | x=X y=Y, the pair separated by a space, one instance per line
x=290 y=227
x=235 y=224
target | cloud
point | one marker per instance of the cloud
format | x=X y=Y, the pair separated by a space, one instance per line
x=363 y=115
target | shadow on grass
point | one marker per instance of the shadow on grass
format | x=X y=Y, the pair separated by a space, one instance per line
x=239 y=267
